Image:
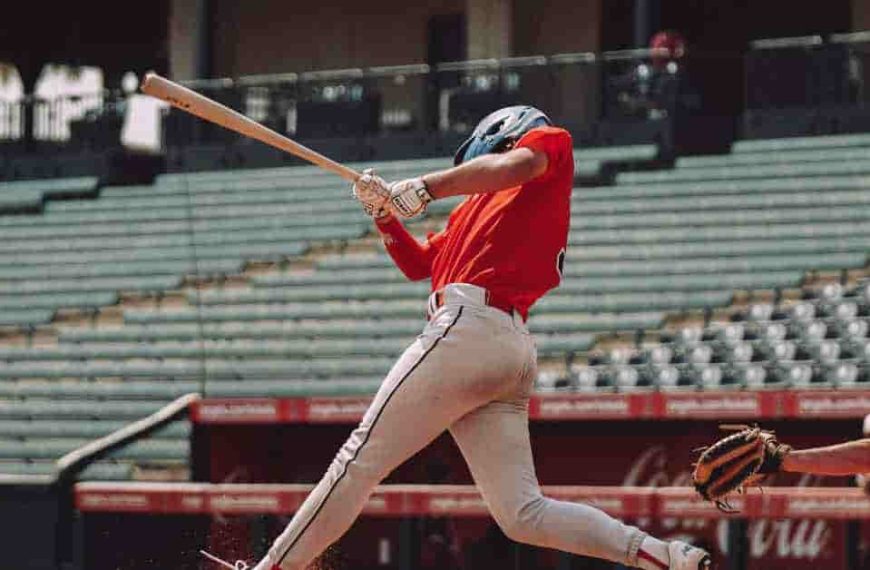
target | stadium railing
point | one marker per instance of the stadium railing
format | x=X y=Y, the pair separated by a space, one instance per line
x=818 y=84
x=39 y=508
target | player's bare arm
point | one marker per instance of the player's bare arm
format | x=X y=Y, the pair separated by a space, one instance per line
x=743 y=458
x=481 y=175
x=850 y=458
x=488 y=173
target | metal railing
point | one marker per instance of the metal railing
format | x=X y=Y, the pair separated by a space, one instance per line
x=586 y=92
x=88 y=120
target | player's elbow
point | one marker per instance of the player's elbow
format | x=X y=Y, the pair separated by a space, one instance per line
x=521 y=165
x=416 y=273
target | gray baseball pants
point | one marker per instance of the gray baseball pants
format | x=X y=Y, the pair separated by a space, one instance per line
x=471 y=371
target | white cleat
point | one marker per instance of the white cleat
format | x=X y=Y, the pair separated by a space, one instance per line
x=684 y=556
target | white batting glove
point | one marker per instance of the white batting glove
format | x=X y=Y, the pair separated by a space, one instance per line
x=373 y=193
x=409 y=197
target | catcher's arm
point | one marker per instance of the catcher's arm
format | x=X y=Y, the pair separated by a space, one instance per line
x=850 y=458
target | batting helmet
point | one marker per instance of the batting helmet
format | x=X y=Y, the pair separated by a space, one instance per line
x=498 y=130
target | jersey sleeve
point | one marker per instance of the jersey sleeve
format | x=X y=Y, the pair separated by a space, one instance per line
x=411 y=257
x=558 y=146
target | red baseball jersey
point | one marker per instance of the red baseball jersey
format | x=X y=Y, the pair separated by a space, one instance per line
x=511 y=242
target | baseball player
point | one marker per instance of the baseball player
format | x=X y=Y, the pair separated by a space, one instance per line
x=472 y=369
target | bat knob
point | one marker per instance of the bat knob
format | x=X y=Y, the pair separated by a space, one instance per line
x=148 y=78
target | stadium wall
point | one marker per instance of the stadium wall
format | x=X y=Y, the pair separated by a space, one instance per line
x=381 y=32
x=617 y=442
x=860 y=15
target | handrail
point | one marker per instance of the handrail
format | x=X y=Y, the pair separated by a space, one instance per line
x=779 y=43
x=75 y=461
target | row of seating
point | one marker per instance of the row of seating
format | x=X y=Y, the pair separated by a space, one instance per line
x=787 y=374
x=100 y=471
x=651 y=244
x=823 y=340
x=276 y=214
x=30 y=195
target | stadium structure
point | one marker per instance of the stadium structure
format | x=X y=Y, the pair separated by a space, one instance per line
x=188 y=332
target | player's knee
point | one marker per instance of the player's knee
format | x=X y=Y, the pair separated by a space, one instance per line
x=523 y=524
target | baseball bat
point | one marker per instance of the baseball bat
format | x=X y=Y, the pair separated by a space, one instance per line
x=196 y=104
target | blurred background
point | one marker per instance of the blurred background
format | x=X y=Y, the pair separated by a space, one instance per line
x=716 y=270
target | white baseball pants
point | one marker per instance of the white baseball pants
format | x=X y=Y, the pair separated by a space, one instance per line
x=471 y=371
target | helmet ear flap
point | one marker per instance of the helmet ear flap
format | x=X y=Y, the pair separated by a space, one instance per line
x=459 y=157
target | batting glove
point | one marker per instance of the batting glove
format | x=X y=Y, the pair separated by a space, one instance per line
x=373 y=193
x=409 y=197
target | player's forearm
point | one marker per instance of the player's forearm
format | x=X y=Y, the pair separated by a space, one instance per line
x=412 y=259
x=848 y=458
x=488 y=173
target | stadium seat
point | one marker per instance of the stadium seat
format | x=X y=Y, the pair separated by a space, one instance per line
x=101 y=471
x=655 y=244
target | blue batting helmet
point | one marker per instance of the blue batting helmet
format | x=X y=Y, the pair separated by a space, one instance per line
x=498 y=130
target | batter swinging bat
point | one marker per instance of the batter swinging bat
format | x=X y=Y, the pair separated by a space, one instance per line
x=204 y=108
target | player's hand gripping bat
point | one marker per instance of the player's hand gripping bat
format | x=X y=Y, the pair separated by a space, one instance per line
x=204 y=108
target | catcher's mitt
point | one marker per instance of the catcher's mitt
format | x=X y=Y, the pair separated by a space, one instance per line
x=736 y=462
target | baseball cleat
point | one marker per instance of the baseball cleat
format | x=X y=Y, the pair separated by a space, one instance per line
x=684 y=556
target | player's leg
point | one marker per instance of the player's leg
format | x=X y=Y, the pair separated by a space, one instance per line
x=439 y=378
x=495 y=442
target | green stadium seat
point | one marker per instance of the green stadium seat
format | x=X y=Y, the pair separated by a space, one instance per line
x=262 y=218
x=815 y=142
x=355 y=262
x=21 y=317
x=751 y=248
x=777 y=184
x=29 y=194
x=725 y=233
x=190 y=368
x=101 y=471
x=780 y=157
x=54 y=301
x=702 y=218
x=743 y=171
x=55 y=428
x=346 y=311
x=347 y=386
x=220 y=349
x=39 y=448
x=629 y=302
x=256 y=330
x=564 y=343
x=127 y=390
x=618 y=153
x=79 y=409
x=17 y=290
x=721 y=203
x=335 y=277
x=569 y=323
x=97 y=270
x=370 y=292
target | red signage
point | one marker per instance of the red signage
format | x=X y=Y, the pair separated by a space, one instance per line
x=713 y=405
x=464 y=500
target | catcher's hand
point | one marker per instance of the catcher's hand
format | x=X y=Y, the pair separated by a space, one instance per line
x=736 y=462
